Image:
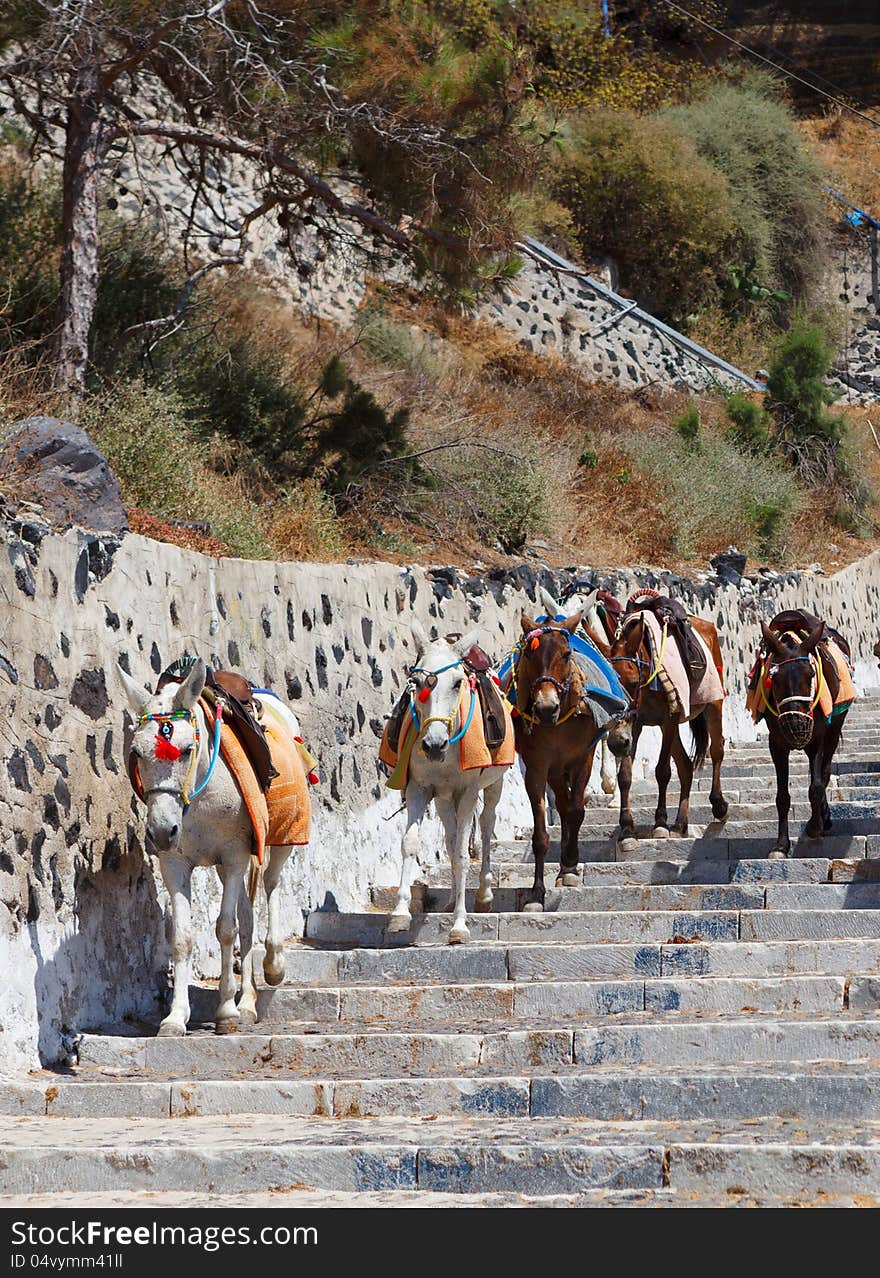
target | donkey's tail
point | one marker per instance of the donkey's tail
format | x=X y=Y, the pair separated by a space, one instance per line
x=700 y=734
x=255 y=874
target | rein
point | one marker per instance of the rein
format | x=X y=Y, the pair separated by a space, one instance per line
x=814 y=701
x=166 y=730
x=638 y=661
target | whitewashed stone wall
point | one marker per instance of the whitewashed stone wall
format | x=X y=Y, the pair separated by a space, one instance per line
x=83 y=915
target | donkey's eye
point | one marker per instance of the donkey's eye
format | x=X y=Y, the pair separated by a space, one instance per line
x=186 y=751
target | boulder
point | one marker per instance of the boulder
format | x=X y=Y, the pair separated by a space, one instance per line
x=729 y=565
x=55 y=465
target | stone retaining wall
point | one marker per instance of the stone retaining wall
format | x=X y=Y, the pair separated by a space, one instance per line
x=83 y=917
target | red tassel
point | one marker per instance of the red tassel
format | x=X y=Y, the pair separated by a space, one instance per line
x=313 y=778
x=536 y=643
x=424 y=695
x=514 y=713
x=768 y=682
x=300 y=740
x=166 y=751
x=496 y=681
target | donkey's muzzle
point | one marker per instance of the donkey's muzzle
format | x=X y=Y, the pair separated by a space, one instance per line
x=435 y=750
x=797 y=728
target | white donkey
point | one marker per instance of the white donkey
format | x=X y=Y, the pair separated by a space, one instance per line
x=435 y=773
x=212 y=829
x=591 y=621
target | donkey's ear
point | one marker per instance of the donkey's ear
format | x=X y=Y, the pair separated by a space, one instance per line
x=467 y=641
x=553 y=608
x=815 y=637
x=138 y=697
x=770 y=639
x=527 y=623
x=190 y=690
x=571 y=623
x=420 y=636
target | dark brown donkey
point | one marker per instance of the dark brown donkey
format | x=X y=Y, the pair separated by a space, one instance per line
x=787 y=679
x=650 y=708
x=556 y=736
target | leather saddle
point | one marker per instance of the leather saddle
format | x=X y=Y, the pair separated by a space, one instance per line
x=803 y=623
x=670 y=613
x=238 y=713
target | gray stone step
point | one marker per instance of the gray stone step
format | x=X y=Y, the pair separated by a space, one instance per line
x=769 y=1156
x=818 y=1091
x=512 y=875
x=729 y=842
x=428 y=1005
x=493 y=963
x=853 y=817
x=659 y=926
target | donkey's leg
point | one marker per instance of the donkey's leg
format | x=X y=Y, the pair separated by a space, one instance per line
x=831 y=740
x=820 y=774
x=608 y=769
x=685 y=769
x=569 y=857
x=177 y=875
x=417 y=801
x=536 y=786
x=247 y=1003
x=561 y=790
x=457 y=817
x=662 y=773
x=715 y=723
x=273 y=959
x=779 y=753
x=627 y=832
x=491 y=798
x=226 y=1016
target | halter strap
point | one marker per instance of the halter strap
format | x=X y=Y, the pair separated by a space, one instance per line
x=816 y=664
x=183 y=792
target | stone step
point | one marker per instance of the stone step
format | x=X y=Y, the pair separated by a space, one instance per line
x=291 y=1197
x=490 y=963
x=823 y=1091
x=678 y=896
x=775 y=1156
x=729 y=843
x=852 y=816
x=659 y=926
x=519 y=874
x=417 y=1005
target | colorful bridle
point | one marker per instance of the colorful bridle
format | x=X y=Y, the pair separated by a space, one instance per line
x=424 y=695
x=532 y=641
x=633 y=708
x=168 y=752
x=804 y=717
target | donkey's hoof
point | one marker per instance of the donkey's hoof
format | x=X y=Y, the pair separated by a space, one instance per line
x=399 y=923
x=568 y=879
x=777 y=854
x=247 y=1019
x=229 y=1025
x=660 y=832
x=273 y=973
x=484 y=905
x=171 y=1029
x=630 y=844
x=533 y=907
x=459 y=936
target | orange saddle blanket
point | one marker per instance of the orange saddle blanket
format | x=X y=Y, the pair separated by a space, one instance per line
x=474 y=751
x=283 y=816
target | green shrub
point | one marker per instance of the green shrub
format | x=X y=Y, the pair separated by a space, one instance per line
x=749 y=426
x=745 y=132
x=638 y=190
x=398 y=345
x=724 y=497
x=687 y=427
x=161 y=465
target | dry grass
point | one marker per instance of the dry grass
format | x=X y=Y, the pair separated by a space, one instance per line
x=849 y=149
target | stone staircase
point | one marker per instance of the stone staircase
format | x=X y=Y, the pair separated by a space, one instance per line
x=692 y=1025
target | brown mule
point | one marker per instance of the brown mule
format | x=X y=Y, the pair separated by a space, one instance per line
x=794 y=722
x=556 y=736
x=650 y=708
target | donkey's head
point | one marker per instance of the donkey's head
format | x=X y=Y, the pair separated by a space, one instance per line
x=438 y=680
x=625 y=653
x=792 y=678
x=544 y=669
x=165 y=744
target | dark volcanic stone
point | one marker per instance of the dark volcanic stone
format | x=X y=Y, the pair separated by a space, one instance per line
x=63 y=470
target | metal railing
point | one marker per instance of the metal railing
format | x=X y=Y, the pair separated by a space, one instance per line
x=544 y=256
